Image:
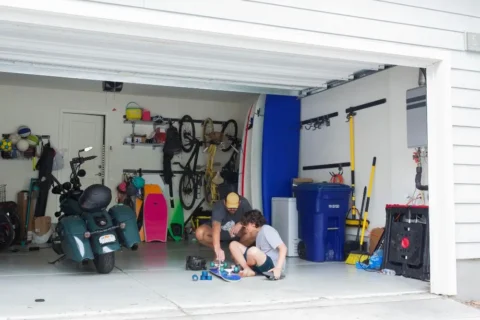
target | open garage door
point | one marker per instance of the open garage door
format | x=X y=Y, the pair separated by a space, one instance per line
x=93 y=56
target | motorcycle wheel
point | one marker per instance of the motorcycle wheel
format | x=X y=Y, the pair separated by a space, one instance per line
x=104 y=263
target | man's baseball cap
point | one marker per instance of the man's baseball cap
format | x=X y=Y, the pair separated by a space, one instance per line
x=232 y=201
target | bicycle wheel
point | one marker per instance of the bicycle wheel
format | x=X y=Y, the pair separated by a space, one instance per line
x=207 y=189
x=188 y=191
x=229 y=130
x=187 y=133
x=207 y=127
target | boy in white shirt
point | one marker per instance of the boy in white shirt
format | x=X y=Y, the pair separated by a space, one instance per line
x=269 y=252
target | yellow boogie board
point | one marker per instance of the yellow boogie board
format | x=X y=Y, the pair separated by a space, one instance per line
x=138 y=207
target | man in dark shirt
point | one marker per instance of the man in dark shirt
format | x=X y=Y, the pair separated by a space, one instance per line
x=225 y=225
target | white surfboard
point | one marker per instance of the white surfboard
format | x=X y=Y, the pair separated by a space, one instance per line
x=243 y=180
x=248 y=162
x=256 y=154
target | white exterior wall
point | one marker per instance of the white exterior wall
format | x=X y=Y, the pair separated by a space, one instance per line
x=394 y=23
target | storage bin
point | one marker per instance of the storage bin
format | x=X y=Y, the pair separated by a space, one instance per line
x=322 y=209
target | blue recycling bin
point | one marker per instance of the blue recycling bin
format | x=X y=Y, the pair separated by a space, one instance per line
x=322 y=210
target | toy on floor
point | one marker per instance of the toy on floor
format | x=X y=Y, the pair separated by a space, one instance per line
x=374 y=262
x=223 y=267
x=203 y=276
x=195 y=263
x=228 y=274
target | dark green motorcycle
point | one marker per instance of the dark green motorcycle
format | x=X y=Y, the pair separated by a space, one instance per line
x=85 y=230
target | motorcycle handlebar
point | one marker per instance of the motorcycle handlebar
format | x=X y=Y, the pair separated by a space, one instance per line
x=82 y=159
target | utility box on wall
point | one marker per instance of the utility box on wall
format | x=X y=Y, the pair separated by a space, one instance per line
x=417 y=134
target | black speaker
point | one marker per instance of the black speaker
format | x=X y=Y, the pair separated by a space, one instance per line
x=406 y=247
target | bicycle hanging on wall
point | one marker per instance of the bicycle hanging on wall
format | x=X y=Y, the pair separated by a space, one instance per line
x=193 y=177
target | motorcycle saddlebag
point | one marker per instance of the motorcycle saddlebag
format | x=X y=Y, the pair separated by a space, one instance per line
x=75 y=246
x=129 y=235
x=103 y=238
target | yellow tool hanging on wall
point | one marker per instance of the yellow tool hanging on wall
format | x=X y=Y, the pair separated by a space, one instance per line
x=361 y=255
x=353 y=210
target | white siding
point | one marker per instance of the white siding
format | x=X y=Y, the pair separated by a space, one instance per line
x=408 y=24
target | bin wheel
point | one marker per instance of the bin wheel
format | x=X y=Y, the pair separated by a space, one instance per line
x=302 y=250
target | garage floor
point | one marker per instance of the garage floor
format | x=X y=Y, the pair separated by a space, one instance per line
x=153 y=280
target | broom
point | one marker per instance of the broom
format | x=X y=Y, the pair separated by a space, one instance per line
x=360 y=255
x=352 y=245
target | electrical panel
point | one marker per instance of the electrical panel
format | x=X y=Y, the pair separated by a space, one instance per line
x=417 y=135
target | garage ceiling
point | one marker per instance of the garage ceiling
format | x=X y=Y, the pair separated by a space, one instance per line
x=97 y=56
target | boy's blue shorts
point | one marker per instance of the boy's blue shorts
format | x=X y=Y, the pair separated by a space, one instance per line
x=265 y=267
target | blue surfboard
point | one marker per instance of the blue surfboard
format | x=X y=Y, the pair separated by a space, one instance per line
x=280 y=149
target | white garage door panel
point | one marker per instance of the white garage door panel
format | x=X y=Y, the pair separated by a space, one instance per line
x=466 y=174
x=463 y=7
x=466 y=233
x=466 y=136
x=468 y=250
x=467 y=193
x=467 y=213
x=383 y=11
x=468 y=117
x=466 y=155
x=232 y=12
x=465 y=79
x=465 y=98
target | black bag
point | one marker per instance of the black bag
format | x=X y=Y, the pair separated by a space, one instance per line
x=173 y=142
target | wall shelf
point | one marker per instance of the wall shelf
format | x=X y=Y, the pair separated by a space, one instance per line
x=143 y=144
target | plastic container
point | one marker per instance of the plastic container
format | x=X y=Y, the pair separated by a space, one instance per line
x=322 y=208
x=133 y=111
x=146 y=115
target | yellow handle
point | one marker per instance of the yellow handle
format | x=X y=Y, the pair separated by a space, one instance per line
x=369 y=193
x=352 y=162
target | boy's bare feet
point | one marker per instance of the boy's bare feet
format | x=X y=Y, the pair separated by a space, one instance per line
x=247 y=273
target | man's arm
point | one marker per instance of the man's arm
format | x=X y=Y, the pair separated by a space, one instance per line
x=216 y=228
x=217 y=217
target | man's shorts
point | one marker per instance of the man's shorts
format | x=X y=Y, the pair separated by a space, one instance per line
x=224 y=235
x=265 y=267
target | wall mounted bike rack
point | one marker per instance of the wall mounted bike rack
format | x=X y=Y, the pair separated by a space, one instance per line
x=318 y=122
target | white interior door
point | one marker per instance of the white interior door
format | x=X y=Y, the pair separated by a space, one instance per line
x=78 y=132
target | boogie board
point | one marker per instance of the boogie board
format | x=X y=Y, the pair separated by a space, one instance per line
x=155 y=217
x=176 y=218
x=151 y=188
x=281 y=146
x=176 y=224
x=256 y=154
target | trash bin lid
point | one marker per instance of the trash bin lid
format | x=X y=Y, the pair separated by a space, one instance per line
x=323 y=186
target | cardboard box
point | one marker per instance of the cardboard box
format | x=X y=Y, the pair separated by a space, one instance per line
x=297 y=181
x=375 y=236
x=42 y=225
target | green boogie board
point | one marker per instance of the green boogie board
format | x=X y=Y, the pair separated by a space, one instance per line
x=177 y=220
